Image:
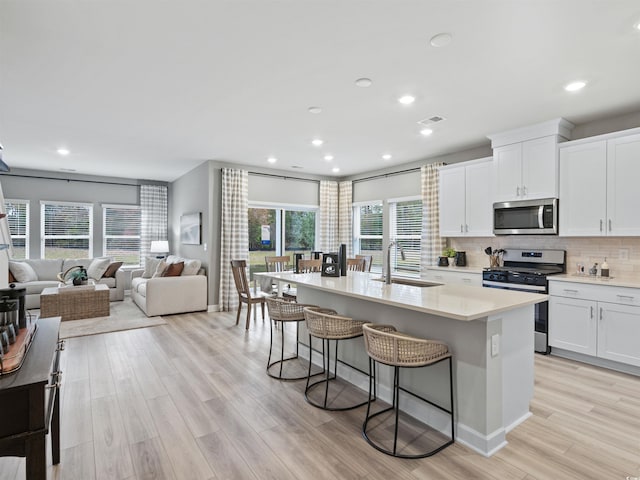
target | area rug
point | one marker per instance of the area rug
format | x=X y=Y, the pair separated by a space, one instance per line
x=125 y=315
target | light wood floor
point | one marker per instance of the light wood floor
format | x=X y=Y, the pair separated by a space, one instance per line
x=191 y=400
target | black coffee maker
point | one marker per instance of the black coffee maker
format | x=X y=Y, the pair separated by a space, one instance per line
x=460 y=259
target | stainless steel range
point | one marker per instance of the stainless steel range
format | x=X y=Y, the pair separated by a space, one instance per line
x=527 y=271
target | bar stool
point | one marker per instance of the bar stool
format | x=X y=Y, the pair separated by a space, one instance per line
x=327 y=326
x=284 y=311
x=398 y=350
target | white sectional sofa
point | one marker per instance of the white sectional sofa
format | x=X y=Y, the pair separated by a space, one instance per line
x=46 y=271
x=157 y=294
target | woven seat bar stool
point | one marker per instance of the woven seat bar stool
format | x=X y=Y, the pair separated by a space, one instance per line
x=326 y=326
x=398 y=350
x=283 y=311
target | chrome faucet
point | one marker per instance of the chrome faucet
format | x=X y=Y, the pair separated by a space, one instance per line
x=388 y=272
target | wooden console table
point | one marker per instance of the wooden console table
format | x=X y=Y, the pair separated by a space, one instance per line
x=30 y=403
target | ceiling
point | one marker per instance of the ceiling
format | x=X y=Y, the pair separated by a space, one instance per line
x=152 y=88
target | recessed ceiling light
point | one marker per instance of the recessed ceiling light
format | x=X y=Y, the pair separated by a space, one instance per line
x=575 y=86
x=637 y=26
x=407 y=99
x=363 y=82
x=426 y=132
x=316 y=142
x=328 y=158
x=441 y=40
x=386 y=156
x=63 y=151
x=335 y=169
x=272 y=159
x=314 y=109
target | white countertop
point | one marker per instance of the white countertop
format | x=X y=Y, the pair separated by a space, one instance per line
x=632 y=281
x=456 y=269
x=459 y=302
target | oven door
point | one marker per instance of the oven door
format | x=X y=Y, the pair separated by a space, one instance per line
x=541 y=312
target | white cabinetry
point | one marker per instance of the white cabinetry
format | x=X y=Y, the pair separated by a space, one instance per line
x=525 y=161
x=526 y=170
x=601 y=321
x=465 y=199
x=442 y=275
x=599 y=190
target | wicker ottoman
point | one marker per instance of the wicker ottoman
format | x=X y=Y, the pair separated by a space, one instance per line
x=73 y=303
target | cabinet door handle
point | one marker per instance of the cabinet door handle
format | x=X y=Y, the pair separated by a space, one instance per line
x=570 y=290
x=518 y=191
x=524 y=190
x=461 y=229
x=626 y=297
x=600 y=224
x=609 y=224
x=466 y=228
x=591 y=312
x=600 y=313
x=467 y=280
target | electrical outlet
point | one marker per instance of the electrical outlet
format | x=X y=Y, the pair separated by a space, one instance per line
x=623 y=254
x=495 y=345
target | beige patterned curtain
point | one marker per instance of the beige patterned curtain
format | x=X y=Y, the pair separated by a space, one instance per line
x=328 y=238
x=345 y=214
x=234 y=231
x=153 y=216
x=432 y=244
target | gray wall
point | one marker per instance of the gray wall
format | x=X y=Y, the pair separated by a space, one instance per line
x=195 y=192
x=36 y=185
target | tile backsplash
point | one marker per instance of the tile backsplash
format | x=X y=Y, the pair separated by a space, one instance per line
x=622 y=253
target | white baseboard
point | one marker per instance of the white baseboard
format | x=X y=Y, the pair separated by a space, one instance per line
x=213 y=308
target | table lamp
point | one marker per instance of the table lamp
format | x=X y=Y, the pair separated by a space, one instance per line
x=159 y=247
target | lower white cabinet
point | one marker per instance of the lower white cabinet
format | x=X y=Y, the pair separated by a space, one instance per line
x=451 y=276
x=585 y=319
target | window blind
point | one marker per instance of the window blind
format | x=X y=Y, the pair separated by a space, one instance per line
x=67 y=230
x=121 y=233
x=406 y=229
x=18 y=218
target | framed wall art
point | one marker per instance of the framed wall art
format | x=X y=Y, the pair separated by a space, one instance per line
x=190 y=226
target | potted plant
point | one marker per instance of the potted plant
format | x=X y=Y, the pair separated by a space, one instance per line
x=450 y=253
x=79 y=276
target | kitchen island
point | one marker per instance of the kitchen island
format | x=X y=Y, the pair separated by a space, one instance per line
x=489 y=331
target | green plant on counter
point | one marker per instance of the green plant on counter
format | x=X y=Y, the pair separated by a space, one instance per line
x=449 y=252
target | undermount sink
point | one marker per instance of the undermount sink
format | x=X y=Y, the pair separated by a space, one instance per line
x=414 y=282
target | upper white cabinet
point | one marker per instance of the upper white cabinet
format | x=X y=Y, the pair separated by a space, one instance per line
x=526 y=170
x=599 y=190
x=465 y=199
x=526 y=161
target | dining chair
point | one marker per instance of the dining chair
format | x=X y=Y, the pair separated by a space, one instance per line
x=278 y=264
x=246 y=294
x=356 y=264
x=368 y=261
x=309 y=266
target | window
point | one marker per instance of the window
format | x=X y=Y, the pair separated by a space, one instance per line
x=67 y=230
x=405 y=222
x=280 y=231
x=367 y=232
x=121 y=233
x=18 y=217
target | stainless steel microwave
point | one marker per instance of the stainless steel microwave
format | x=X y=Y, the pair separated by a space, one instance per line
x=526 y=217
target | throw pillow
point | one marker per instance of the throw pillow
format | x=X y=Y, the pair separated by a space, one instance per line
x=191 y=267
x=160 y=269
x=112 y=269
x=23 y=272
x=173 y=270
x=150 y=265
x=98 y=267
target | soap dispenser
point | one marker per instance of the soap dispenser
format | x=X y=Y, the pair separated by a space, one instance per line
x=594 y=270
x=604 y=268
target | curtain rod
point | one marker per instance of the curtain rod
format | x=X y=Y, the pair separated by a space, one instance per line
x=284 y=177
x=39 y=177
x=384 y=175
